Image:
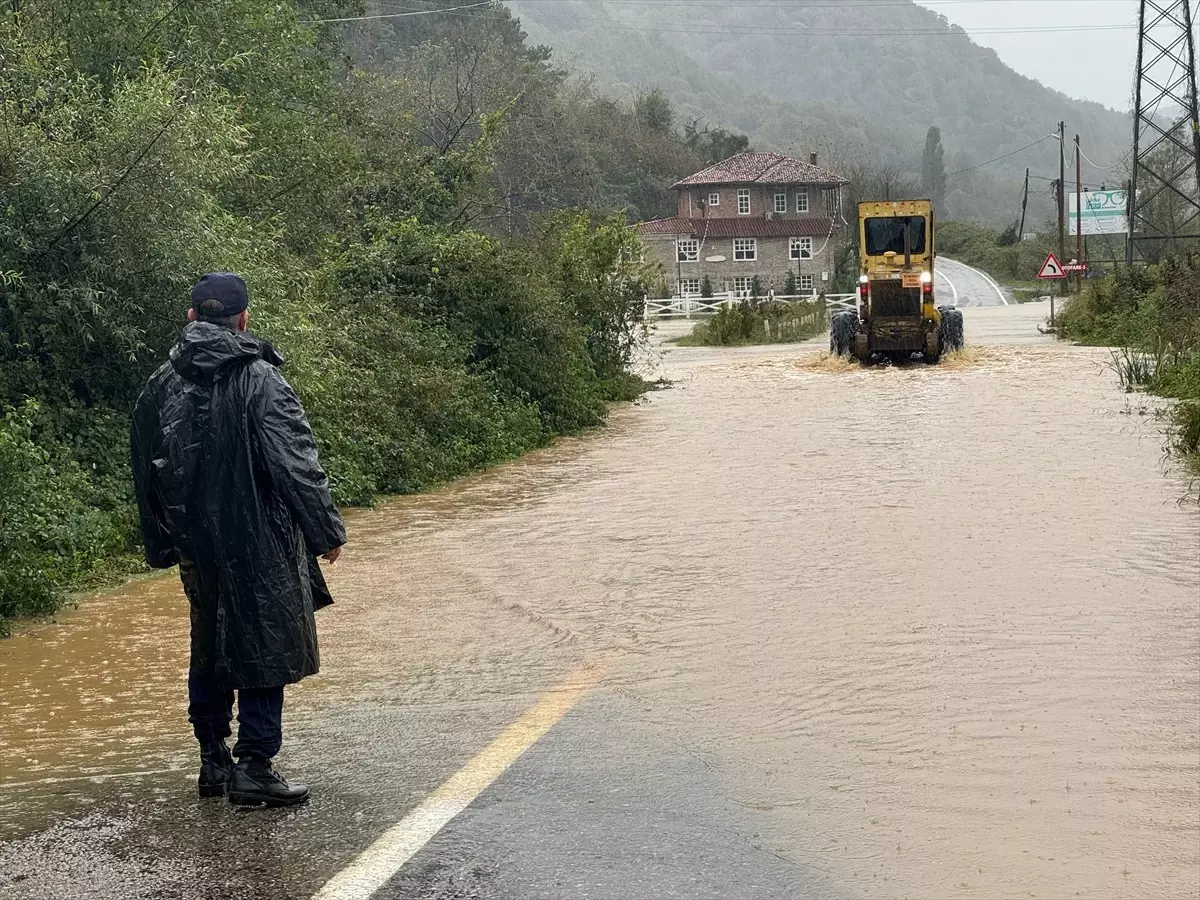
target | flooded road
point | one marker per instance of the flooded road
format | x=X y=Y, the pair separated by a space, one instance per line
x=905 y=632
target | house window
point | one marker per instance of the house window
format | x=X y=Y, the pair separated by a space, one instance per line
x=743 y=285
x=833 y=203
x=800 y=248
x=745 y=249
x=781 y=201
x=802 y=200
x=806 y=284
x=714 y=199
x=690 y=287
x=687 y=250
x=743 y=201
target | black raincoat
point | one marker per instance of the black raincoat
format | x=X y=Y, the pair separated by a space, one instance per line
x=228 y=486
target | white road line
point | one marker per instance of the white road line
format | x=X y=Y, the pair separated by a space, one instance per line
x=992 y=281
x=946 y=278
x=396 y=846
x=984 y=275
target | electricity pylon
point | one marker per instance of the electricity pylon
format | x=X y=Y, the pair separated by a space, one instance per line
x=1164 y=190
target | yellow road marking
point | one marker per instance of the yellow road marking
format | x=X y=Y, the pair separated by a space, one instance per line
x=396 y=846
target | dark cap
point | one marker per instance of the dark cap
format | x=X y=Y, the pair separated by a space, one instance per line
x=226 y=288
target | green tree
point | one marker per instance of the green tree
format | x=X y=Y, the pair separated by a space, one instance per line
x=144 y=142
x=653 y=111
x=711 y=145
x=933 y=168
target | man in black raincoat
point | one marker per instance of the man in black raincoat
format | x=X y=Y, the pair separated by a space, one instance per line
x=229 y=487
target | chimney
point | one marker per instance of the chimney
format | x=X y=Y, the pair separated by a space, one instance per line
x=812 y=158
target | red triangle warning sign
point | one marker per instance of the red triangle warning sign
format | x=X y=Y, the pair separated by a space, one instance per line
x=1051 y=268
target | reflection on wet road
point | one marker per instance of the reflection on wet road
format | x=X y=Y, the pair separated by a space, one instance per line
x=920 y=631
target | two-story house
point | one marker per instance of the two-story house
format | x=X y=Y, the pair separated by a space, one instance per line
x=754 y=214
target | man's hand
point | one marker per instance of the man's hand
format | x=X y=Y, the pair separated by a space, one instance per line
x=332 y=556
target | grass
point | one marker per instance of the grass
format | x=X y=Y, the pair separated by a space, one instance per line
x=1027 y=291
x=1150 y=316
x=758 y=322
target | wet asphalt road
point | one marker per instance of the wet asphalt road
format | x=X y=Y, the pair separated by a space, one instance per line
x=601 y=809
x=961 y=285
x=806 y=699
x=598 y=809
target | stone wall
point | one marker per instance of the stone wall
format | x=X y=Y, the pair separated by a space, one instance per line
x=772 y=265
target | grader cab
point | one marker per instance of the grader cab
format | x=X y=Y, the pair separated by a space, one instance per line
x=897 y=316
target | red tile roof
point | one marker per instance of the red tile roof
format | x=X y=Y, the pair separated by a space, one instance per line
x=745 y=226
x=767 y=168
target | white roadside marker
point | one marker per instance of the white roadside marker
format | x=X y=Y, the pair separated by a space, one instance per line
x=396 y=846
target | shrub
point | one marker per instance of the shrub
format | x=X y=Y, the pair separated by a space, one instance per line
x=141 y=150
x=1152 y=315
x=51 y=535
x=1124 y=308
x=758 y=323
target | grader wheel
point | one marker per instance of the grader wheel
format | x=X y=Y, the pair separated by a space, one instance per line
x=951 y=331
x=843 y=326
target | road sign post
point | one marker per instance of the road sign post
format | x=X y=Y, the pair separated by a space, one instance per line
x=1052 y=270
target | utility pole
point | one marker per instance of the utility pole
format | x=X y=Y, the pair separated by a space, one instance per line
x=1024 y=206
x=1164 y=191
x=1078 y=214
x=1062 y=204
x=1062 y=191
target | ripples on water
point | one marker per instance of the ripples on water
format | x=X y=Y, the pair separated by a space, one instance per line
x=936 y=626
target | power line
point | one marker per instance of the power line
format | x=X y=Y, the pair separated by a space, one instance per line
x=400 y=15
x=1005 y=156
x=716 y=28
x=799 y=4
x=794 y=29
x=1113 y=166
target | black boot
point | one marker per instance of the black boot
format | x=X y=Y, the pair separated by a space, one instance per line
x=255 y=783
x=216 y=768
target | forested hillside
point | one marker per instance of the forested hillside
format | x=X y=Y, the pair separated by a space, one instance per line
x=421 y=213
x=857 y=81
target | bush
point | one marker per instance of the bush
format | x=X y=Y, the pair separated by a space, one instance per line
x=450 y=352
x=758 y=323
x=1152 y=314
x=140 y=150
x=1123 y=309
x=51 y=535
x=1182 y=381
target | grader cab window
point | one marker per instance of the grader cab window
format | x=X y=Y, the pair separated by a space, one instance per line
x=887 y=234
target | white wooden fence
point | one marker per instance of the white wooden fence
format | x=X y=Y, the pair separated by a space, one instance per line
x=693 y=306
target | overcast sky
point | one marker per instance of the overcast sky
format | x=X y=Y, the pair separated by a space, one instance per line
x=1094 y=65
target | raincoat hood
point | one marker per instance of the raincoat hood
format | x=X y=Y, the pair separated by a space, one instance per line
x=205 y=351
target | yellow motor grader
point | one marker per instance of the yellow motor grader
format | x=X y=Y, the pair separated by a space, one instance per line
x=897 y=316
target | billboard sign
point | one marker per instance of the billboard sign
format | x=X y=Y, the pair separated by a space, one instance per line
x=1103 y=212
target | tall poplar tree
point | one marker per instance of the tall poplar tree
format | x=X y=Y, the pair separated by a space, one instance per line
x=933 y=168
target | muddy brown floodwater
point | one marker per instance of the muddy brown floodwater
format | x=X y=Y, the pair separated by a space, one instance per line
x=936 y=629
